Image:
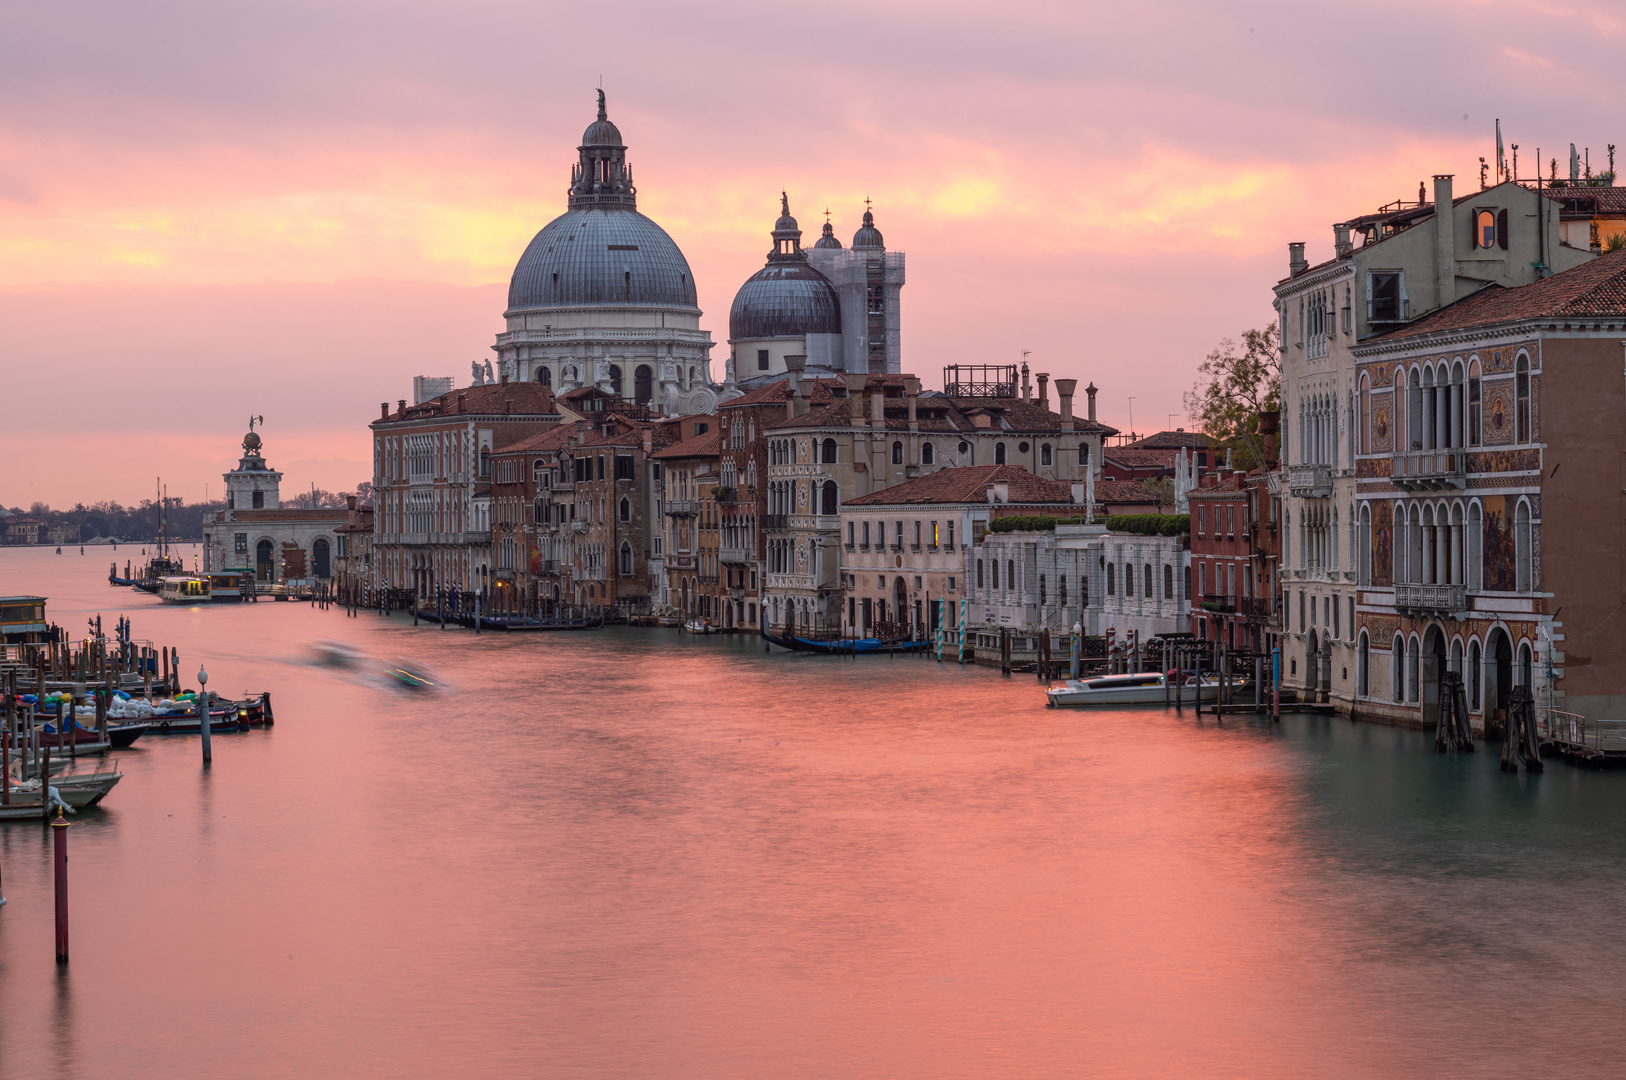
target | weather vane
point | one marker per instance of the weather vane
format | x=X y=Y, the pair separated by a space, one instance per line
x=253 y=419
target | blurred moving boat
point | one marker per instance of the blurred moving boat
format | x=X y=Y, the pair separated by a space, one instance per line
x=1141 y=688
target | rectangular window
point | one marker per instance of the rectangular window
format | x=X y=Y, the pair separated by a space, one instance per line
x=917 y=535
x=866 y=534
x=979 y=574
x=935 y=537
x=623 y=467
x=951 y=534
x=951 y=585
x=1202 y=521
x=601 y=466
x=849 y=534
x=762 y=359
x=1352 y=617
x=1335 y=618
x=1384 y=301
x=1301 y=611
x=1473 y=411
x=240 y=543
x=898 y=533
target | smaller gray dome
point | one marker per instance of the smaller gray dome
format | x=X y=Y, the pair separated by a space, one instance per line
x=869 y=236
x=784 y=299
x=828 y=240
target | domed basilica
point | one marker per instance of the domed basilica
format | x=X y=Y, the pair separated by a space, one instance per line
x=603 y=297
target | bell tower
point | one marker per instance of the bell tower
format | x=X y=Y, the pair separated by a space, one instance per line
x=252 y=485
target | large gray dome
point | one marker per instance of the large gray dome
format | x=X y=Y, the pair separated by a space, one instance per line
x=602 y=257
x=784 y=299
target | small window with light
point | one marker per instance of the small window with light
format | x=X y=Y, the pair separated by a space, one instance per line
x=1485 y=229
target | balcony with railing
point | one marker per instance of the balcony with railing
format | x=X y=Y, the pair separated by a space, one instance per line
x=736 y=554
x=1441 y=599
x=775 y=522
x=1310 y=481
x=680 y=508
x=1257 y=608
x=1430 y=470
x=1219 y=603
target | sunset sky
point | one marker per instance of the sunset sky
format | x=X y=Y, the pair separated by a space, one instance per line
x=210 y=210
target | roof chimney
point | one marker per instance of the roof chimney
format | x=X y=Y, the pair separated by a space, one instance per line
x=383 y=410
x=1027 y=387
x=649 y=440
x=401 y=405
x=911 y=390
x=462 y=399
x=1044 y=395
x=1064 y=391
x=1090 y=392
x=1341 y=244
x=855 y=393
x=877 y=405
x=1295 y=259
x=1445 y=242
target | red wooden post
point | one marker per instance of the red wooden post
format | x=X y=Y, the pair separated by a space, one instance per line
x=59 y=843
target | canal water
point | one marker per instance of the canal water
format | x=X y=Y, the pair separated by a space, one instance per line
x=635 y=854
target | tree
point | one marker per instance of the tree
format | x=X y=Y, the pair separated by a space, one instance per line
x=1161 y=488
x=1233 y=386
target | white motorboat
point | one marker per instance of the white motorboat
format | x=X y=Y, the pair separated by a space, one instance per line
x=1142 y=688
x=699 y=626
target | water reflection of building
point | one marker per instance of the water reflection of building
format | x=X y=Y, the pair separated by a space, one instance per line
x=1488 y=446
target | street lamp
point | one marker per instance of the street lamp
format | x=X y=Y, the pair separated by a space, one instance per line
x=203 y=712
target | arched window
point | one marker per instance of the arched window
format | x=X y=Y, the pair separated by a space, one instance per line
x=1474 y=548
x=1046 y=455
x=1475 y=677
x=1364 y=566
x=897 y=453
x=999 y=453
x=1475 y=415
x=1400 y=441
x=1397 y=658
x=828 y=505
x=1522 y=390
x=1413 y=670
x=1363 y=662
x=1366 y=415
x=1521 y=541
x=485 y=461
x=643 y=384
x=927 y=455
x=1168 y=581
x=626 y=557
x=965 y=448
x=1524 y=665
x=829 y=451
x=539 y=511
x=615 y=379
x=626 y=510
x=543 y=376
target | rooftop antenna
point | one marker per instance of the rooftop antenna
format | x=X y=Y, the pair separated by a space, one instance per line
x=1514 y=176
x=1131 y=418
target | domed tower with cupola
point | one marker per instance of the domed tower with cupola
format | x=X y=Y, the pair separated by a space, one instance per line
x=869 y=280
x=253 y=485
x=603 y=297
x=786 y=309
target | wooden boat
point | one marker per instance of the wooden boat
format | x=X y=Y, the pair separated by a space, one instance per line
x=77 y=790
x=700 y=626
x=1141 y=688
x=506 y=622
x=122 y=735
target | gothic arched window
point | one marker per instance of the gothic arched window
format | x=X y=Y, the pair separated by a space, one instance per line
x=999 y=453
x=829 y=500
x=897 y=453
x=1522 y=390
x=626 y=510
x=927 y=454
x=615 y=379
x=543 y=376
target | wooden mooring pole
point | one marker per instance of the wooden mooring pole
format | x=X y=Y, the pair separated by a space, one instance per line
x=59 y=849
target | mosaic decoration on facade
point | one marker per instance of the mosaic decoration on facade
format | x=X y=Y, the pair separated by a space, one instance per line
x=1380 y=632
x=1495 y=461
x=1499 y=413
x=1383 y=529
x=1535 y=556
x=1374 y=468
x=1501 y=554
x=1535 y=408
x=1383 y=423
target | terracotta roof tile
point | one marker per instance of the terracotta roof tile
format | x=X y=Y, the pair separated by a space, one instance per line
x=1172 y=440
x=970 y=485
x=707 y=445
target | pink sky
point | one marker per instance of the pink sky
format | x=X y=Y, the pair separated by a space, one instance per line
x=290 y=209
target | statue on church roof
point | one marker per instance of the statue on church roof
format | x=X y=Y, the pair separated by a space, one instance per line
x=602 y=115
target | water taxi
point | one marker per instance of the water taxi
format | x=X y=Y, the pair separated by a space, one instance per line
x=1142 y=688
x=184 y=589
